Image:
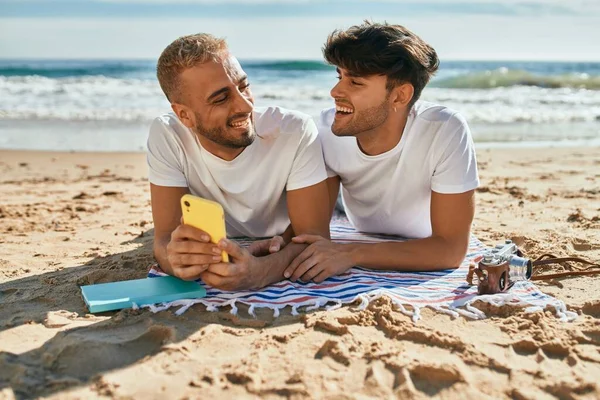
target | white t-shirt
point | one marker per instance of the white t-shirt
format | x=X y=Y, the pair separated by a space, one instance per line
x=252 y=187
x=390 y=193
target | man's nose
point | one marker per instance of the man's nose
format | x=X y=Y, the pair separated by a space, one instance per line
x=243 y=103
x=336 y=91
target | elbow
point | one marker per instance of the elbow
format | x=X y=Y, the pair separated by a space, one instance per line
x=454 y=263
x=159 y=245
x=324 y=232
x=454 y=253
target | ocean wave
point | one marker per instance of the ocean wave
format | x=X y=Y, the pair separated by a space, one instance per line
x=103 y=98
x=288 y=65
x=504 y=77
x=64 y=69
x=140 y=69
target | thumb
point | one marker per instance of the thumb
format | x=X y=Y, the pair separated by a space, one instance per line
x=305 y=238
x=254 y=246
x=232 y=248
x=275 y=244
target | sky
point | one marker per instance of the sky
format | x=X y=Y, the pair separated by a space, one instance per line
x=296 y=29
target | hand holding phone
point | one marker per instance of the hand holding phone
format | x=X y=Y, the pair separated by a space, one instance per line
x=207 y=216
x=190 y=252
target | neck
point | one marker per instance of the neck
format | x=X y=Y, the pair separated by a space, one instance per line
x=223 y=152
x=384 y=137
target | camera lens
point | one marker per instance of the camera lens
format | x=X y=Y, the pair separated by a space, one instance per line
x=187 y=203
x=502 y=281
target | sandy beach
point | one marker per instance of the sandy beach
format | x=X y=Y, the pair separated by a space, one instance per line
x=71 y=219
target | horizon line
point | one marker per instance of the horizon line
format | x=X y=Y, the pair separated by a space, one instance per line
x=274 y=59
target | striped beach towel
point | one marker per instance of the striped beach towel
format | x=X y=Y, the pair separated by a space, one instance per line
x=444 y=291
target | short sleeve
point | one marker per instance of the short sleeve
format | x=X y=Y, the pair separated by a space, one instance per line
x=164 y=156
x=330 y=173
x=308 y=167
x=454 y=159
x=324 y=128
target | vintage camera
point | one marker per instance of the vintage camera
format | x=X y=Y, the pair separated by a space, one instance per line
x=500 y=268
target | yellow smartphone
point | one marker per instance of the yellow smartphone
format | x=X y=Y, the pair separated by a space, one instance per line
x=206 y=215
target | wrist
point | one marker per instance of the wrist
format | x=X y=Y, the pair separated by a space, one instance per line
x=287 y=238
x=261 y=272
x=355 y=254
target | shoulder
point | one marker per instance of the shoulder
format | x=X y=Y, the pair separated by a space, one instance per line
x=167 y=125
x=324 y=122
x=278 y=121
x=439 y=116
x=165 y=120
x=325 y=119
x=449 y=135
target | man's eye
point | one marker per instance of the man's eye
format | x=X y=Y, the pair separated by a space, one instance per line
x=355 y=83
x=338 y=77
x=221 y=100
x=245 y=87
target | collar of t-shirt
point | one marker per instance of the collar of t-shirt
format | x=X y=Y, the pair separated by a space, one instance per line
x=396 y=149
x=210 y=159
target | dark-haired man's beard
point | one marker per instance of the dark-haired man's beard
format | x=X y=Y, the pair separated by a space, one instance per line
x=363 y=121
x=222 y=137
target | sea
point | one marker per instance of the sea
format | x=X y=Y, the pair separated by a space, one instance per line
x=108 y=105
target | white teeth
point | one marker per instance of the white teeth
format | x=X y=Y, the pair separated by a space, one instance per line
x=344 y=109
x=240 y=124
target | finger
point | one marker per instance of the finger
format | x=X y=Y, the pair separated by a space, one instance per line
x=305 y=238
x=190 y=272
x=258 y=247
x=223 y=269
x=276 y=244
x=324 y=274
x=195 y=259
x=211 y=279
x=254 y=246
x=193 y=247
x=300 y=258
x=232 y=248
x=311 y=273
x=303 y=268
x=217 y=281
x=187 y=232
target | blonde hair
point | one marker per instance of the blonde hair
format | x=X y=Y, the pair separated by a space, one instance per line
x=184 y=53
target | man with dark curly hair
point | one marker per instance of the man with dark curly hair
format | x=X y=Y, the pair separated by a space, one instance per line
x=405 y=167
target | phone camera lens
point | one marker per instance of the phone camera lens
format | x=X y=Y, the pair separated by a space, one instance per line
x=187 y=203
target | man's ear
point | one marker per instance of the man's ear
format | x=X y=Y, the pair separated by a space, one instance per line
x=184 y=114
x=403 y=94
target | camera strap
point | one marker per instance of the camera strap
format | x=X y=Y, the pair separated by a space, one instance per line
x=546 y=259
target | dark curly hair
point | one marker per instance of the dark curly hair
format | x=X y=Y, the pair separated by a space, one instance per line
x=383 y=49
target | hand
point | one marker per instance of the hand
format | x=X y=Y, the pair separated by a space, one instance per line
x=320 y=260
x=262 y=248
x=190 y=252
x=244 y=271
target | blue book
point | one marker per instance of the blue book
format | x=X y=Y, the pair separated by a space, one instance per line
x=118 y=295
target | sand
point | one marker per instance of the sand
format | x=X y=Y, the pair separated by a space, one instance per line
x=68 y=219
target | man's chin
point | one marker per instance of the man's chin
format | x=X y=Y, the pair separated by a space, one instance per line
x=241 y=141
x=340 y=131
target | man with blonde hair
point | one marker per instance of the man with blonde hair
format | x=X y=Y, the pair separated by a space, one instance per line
x=263 y=165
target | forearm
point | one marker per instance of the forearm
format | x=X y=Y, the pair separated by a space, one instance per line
x=274 y=264
x=429 y=254
x=160 y=253
x=288 y=234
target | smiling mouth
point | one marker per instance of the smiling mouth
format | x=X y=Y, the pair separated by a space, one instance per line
x=245 y=123
x=343 y=110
